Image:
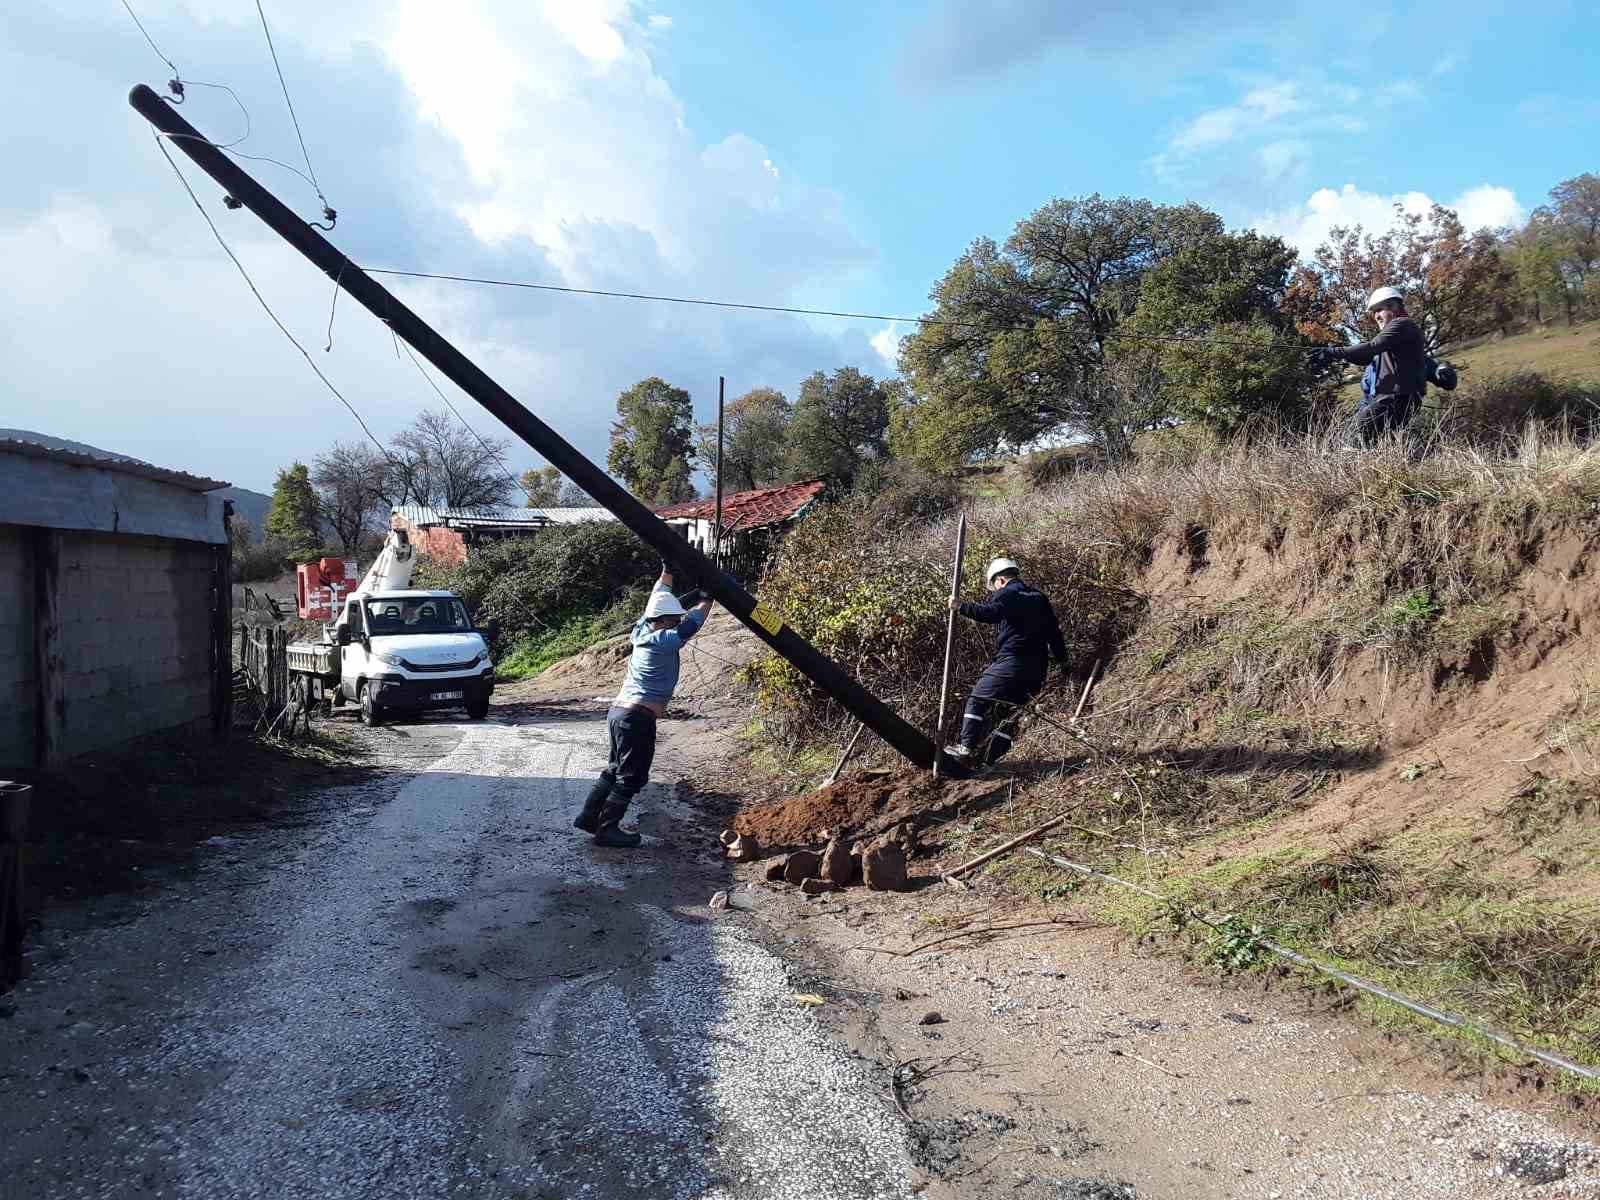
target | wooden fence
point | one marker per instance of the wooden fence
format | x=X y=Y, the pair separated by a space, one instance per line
x=263 y=674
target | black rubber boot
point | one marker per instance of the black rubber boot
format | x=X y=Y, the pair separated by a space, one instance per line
x=611 y=832
x=589 y=819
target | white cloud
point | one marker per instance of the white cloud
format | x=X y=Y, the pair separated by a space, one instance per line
x=500 y=138
x=1308 y=225
x=887 y=344
x=660 y=21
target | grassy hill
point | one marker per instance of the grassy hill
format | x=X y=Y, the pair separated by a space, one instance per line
x=1555 y=350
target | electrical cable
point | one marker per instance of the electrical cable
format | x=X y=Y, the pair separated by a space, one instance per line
x=267 y=308
x=328 y=213
x=176 y=83
x=804 y=312
x=487 y=449
x=1355 y=981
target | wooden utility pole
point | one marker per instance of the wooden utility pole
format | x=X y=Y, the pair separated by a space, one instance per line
x=244 y=191
x=722 y=384
x=949 y=637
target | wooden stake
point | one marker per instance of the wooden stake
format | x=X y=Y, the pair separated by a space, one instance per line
x=1011 y=845
x=1088 y=683
x=845 y=757
x=949 y=641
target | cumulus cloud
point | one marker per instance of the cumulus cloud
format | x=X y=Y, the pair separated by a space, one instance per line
x=886 y=342
x=1307 y=225
x=505 y=138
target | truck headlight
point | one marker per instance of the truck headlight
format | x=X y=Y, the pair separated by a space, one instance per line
x=393 y=660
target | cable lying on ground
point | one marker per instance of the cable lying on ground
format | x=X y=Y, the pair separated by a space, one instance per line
x=1355 y=981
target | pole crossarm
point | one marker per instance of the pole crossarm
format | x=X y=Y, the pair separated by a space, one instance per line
x=465 y=374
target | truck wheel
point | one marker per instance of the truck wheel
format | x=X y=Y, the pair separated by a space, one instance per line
x=371 y=714
x=477 y=710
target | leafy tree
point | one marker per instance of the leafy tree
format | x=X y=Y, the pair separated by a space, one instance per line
x=651 y=440
x=543 y=485
x=442 y=463
x=1455 y=283
x=1213 y=325
x=1572 y=222
x=755 y=440
x=292 y=517
x=840 y=424
x=1021 y=332
x=1534 y=254
x=350 y=482
x=573 y=496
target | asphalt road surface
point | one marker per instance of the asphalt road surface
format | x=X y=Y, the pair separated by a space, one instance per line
x=433 y=986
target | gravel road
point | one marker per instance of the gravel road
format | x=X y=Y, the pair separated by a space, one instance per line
x=435 y=987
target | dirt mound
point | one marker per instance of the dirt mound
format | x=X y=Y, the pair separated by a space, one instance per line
x=862 y=805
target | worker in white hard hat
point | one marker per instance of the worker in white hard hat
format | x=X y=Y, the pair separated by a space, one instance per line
x=658 y=637
x=1030 y=637
x=1400 y=354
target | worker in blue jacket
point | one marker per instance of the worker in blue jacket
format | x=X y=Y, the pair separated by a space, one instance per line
x=658 y=638
x=1030 y=637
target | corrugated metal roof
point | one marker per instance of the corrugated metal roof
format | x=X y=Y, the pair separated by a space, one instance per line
x=752 y=509
x=106 y=461
x=422 y=515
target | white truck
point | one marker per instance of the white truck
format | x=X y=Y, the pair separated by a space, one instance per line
x=388 y=648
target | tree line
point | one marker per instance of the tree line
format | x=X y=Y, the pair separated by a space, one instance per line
x=1097 y=318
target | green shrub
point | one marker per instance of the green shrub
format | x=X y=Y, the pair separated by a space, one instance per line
x=1496 y=407
x=537 y=585
x=536 y=651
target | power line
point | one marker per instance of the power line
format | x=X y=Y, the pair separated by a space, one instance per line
x=177 y=81
x=487 y=449
x=1124 y=335
x=328 y=214
x=267 y=308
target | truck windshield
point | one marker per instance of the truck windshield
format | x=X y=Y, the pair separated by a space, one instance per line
x=416 y=614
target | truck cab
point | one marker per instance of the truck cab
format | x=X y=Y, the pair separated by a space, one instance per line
x=408 y=650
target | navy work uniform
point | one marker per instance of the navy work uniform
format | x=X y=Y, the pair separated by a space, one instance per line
x=1030 y=637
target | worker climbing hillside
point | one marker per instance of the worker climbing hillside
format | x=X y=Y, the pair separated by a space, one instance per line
x=658 y=638
x=1029 y=638
x=1399 y=353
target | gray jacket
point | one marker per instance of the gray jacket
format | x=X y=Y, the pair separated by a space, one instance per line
x=1400 y=352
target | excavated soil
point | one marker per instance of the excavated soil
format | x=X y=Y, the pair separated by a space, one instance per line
x=862 y=805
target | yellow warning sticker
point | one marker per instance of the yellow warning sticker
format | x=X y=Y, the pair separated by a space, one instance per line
x=767 y=619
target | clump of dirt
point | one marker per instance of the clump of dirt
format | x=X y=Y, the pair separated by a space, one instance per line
x=862 y=805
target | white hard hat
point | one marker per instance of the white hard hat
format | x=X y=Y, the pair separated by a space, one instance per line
x=998 y=565
x=663 y=604
x=1382 y=296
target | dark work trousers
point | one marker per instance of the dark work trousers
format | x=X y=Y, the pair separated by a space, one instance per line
x=990 y=721
x=633 y=748
x=1384 y=414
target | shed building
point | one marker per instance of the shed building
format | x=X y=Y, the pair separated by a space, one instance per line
x=753 y=523
x=446 y=535
x=114 y=602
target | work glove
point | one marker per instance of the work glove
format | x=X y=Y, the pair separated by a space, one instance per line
x=1320 y=359
x=1445 y=377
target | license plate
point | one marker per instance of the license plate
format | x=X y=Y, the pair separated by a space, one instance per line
x=445 y=696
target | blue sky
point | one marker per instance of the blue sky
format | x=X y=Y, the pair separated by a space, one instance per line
x=824 y=154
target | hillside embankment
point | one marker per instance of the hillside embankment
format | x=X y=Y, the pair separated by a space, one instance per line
x=1348 y=702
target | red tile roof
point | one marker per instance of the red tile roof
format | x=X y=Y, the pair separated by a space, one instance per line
x=750 y=510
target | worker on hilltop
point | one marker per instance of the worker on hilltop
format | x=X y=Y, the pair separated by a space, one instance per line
x=658 y=638
x=1030 y=637
x=1399 y=353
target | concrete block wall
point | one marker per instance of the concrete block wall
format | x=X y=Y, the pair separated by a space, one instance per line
x=18 y=689
x=135 y=639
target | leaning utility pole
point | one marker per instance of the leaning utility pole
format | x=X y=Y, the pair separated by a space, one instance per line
x=766 y=624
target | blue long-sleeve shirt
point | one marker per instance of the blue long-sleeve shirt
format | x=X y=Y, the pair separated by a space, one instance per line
x=653 y=667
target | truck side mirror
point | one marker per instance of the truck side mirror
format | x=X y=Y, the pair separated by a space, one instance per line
x=344 y=635
x=492 y=630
